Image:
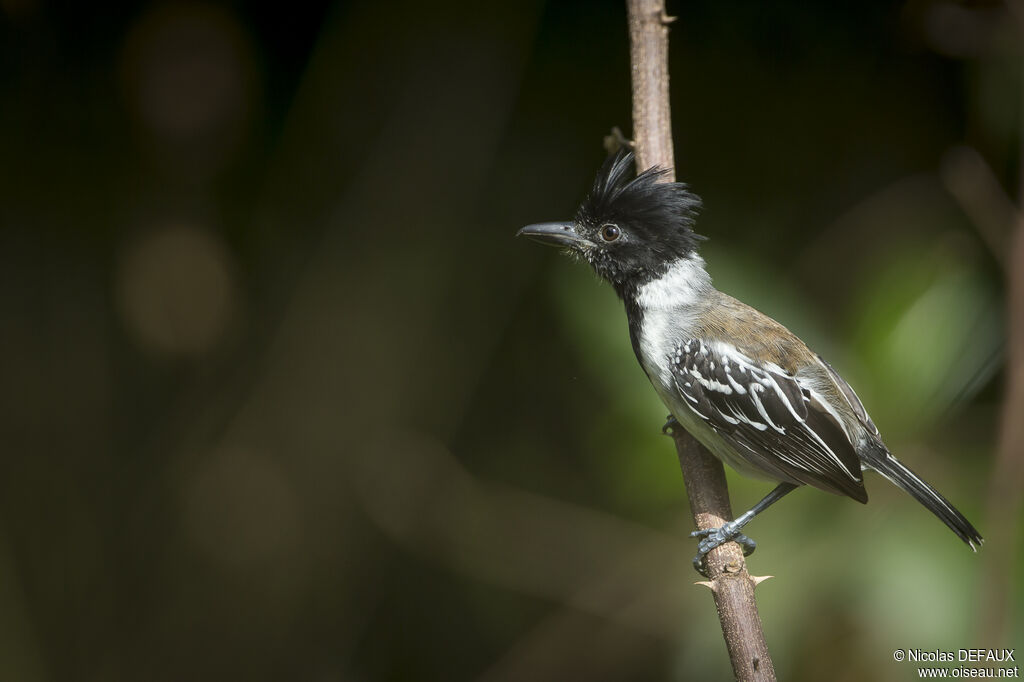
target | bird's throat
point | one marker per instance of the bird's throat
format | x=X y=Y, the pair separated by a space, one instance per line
x=685 y=284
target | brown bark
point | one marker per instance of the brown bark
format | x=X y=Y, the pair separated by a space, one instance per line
x=1005 y=498
x=732 y=586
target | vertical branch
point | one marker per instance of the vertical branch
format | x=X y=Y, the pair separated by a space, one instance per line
x=732 y=586
x=648 y=58
x=1005 y=500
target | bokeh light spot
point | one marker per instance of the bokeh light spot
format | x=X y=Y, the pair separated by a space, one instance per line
x=186 y=68
x=239 y=509
x=176 y=290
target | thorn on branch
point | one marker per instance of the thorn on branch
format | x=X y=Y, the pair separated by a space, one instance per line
x=615 y=141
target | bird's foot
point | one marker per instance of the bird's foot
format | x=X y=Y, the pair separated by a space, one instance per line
x=670 y=427
x=715 y=537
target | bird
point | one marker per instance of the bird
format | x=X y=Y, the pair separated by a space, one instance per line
x=739 y=382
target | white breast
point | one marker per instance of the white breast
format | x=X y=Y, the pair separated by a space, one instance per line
x=670 y=306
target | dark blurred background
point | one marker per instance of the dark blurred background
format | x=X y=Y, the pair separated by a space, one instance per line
x=283 y=399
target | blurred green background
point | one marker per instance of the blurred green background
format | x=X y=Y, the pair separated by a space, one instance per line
x=284 y=399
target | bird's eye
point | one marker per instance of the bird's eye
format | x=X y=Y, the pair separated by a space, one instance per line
x=610 y=232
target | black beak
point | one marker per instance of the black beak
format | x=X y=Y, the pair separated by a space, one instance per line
x=553 y=234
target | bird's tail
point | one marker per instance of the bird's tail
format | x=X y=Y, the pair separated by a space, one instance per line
x=879 y=459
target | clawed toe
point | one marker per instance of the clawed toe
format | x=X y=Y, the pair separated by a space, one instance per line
x=746 y=543
x=715 y=537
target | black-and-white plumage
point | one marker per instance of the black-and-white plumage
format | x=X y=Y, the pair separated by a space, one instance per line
x=741 y=383
x=780 y=427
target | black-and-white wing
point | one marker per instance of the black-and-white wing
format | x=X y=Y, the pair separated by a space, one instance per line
x=774 y=423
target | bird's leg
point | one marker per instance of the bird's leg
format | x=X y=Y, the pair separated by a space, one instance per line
x=713 y=537
x=670 y=426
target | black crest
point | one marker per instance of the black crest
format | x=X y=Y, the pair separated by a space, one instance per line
x=665 y=209
x=656 y=219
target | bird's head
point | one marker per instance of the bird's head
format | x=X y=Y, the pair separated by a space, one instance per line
x=630 y=229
